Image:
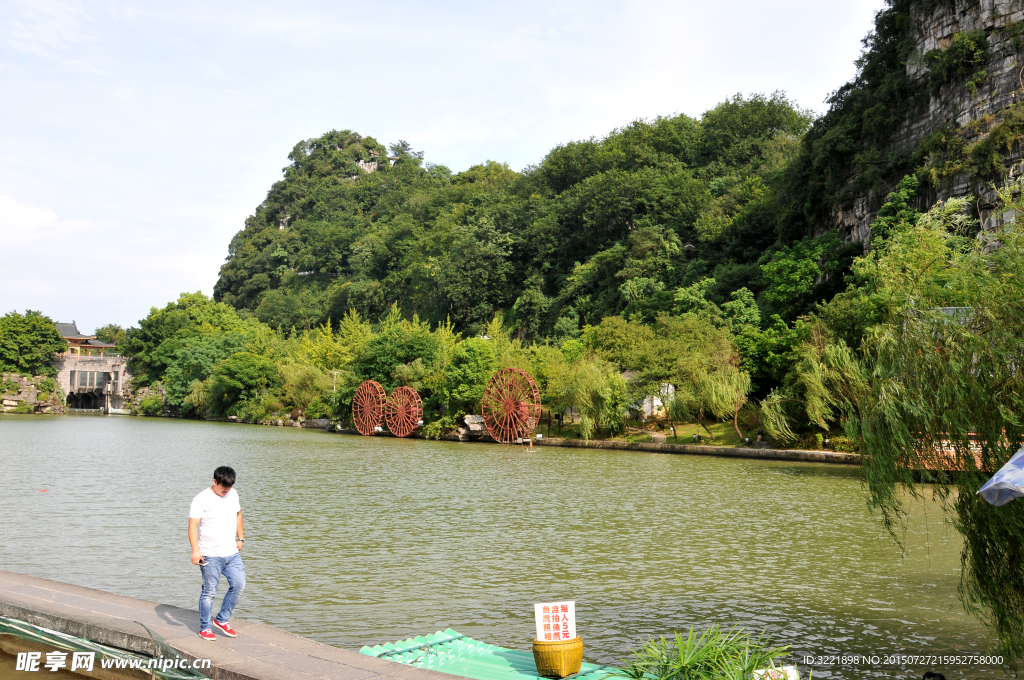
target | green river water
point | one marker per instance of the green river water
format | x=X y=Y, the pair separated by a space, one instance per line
x=353 y=540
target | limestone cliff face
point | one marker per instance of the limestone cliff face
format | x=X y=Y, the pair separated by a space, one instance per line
x=949 y=133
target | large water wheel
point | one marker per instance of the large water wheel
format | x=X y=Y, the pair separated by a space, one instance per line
x=511 y=405
x=368 y=407
x=403 y=411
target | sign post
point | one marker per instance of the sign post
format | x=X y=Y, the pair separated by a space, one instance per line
x=555 y=620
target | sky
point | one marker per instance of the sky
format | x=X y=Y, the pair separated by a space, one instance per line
x=135 y=138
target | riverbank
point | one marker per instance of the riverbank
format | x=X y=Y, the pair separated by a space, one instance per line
x=720 y=451
x=833 y=457
x=809 y=456
x=260 y=652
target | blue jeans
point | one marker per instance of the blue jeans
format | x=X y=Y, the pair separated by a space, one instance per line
x=234 y=572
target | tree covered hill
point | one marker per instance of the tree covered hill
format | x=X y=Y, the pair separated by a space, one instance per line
x=754 y=195
x=599 y=227
x=742 y=209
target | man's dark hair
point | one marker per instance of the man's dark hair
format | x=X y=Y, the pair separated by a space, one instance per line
x=224 y=475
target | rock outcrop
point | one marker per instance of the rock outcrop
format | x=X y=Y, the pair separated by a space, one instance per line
x=970 y=132
x=30 y=394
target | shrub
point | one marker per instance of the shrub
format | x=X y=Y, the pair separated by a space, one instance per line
x=964 y=57
x=843 y=444
x=440 y=427
x=319 y=408
x=472 y=363
x=254 y=410
x=242 y=377
x=151 y=405
x=639 y=438
x=302 y=384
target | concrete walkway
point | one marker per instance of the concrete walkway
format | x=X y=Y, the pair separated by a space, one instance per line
x=259 y=652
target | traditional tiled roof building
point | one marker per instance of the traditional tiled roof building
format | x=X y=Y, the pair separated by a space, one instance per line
x=91 y=372
x=79 y=343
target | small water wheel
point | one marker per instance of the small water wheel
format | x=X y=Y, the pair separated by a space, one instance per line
x=511 y=405
x=368 y=407
x=403 y=411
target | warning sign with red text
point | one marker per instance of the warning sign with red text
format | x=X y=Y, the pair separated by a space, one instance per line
x=555 y=620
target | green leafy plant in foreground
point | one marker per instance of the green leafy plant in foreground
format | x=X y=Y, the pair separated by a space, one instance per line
x=712 y=653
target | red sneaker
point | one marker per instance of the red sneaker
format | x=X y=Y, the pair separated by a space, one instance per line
x=207 y=635
x=225 y=628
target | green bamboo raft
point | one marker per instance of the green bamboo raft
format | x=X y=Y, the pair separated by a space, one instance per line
x=452 y=652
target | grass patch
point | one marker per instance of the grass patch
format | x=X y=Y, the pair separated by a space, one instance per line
x=724 y=433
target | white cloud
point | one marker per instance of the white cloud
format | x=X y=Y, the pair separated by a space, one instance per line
x=36 y=247
x=35 y=231
x=22 y=221
x=53 y=30
x=96 y=274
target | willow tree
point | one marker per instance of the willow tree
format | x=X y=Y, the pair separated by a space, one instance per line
x=596 y=389
x=947 y=395
x=705 y=368
x=937 y=390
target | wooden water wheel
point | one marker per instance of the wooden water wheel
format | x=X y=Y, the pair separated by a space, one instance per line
x=403 y=411
x=511 y=405
x=368 y=407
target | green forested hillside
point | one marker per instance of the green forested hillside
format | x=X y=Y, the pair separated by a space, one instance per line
x=661 y=217
x=730 y=213
x=599 y=227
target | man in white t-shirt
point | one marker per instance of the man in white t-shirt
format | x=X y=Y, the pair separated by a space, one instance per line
x=216 y=533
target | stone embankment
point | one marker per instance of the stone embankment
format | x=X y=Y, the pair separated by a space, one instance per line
x=834 y=457
x=30 y=394
x=719 y=451
x=287 y=420
x=260 y=652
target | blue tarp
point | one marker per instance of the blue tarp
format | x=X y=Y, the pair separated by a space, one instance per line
x=1006 y=484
